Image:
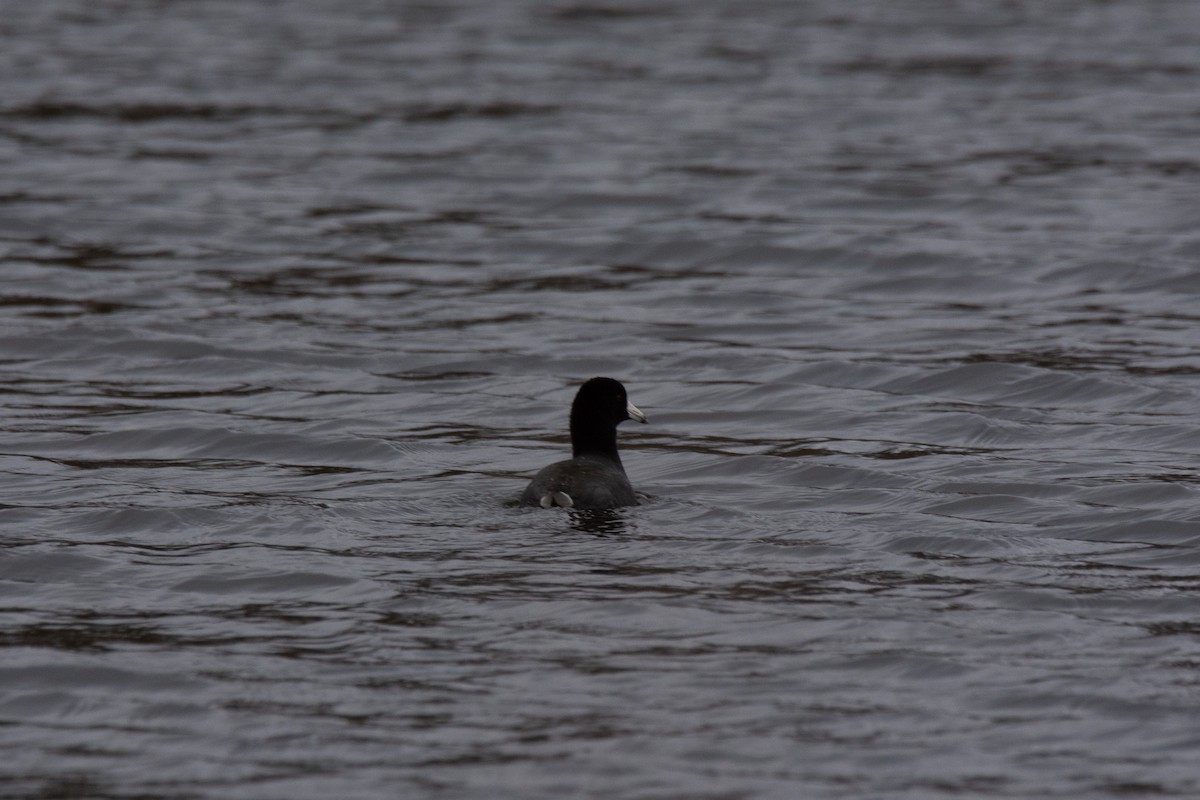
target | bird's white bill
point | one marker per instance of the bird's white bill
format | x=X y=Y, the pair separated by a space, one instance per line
x=635 y=413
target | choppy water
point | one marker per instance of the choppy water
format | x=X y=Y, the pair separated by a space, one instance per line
x=295 y=295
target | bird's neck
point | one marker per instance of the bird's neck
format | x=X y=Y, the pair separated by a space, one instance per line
x=585 y=441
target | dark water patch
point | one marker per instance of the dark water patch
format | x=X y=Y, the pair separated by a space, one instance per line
x=133 y=113
x=901 y=453
x=499 y=110
x=608 y=12
x=1185 y=628
x=83 y=637
x=43 y=304
x=171 y=154
x=297 y=281
x=90 y=255
x=789 y=450
x=1051 y=359
x=124 y=391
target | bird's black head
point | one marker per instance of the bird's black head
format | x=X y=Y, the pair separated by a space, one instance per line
x=600 y=405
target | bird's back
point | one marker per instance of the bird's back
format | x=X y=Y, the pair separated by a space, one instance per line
x=587 y=482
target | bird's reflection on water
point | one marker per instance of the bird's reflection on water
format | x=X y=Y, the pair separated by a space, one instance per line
x=598 y=522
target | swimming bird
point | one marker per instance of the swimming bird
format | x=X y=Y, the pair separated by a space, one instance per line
x=593 y=477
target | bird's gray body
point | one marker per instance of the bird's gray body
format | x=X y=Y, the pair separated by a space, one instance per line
x=587 y=481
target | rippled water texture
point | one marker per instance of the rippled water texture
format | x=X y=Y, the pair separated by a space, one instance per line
x=294 y=296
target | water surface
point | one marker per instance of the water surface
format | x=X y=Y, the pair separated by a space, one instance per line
x=294 y=297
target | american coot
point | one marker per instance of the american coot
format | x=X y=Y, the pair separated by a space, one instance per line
x=593 y=477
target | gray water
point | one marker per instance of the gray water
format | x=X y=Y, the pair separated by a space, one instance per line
x=294 y=297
